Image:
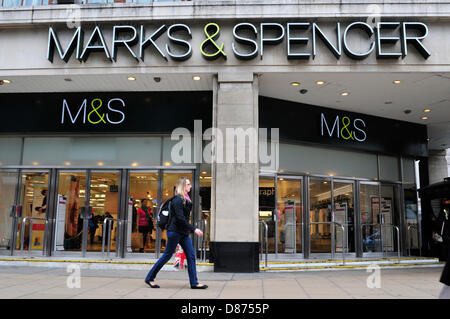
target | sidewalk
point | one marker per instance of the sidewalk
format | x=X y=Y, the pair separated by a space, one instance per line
x=50 y=283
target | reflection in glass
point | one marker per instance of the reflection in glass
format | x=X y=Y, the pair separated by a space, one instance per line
x=320 y=212
x=8 y=183
x=290 y=207
x=205 y=198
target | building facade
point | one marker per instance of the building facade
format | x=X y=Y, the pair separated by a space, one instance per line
x=309 y=124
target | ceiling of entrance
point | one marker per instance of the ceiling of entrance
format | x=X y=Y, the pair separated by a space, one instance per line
x=369 y=93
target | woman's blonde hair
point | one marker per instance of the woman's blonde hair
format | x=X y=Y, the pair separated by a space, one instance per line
x=180 y=188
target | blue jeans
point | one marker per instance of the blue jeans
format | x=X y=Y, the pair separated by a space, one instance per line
x=173 y=239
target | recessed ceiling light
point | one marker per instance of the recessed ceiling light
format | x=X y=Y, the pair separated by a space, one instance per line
x=427 y=110
x=320 y=82
x=196 y=78
x=5 y=82
x=167 y=164
x=35 y=163
x=134 y=164
x=295 y=83
x=67 y=163
x=131 y=78
x=397 y=82
x=345 y=93
x=100 y=163
x=424 y=117
x=428 y=139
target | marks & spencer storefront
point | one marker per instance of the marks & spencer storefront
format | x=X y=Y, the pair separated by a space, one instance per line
x=339 y=180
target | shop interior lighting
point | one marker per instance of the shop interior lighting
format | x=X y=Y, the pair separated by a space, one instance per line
x=131 y=78
x=424 y=117
x=320 y=82
x=5 y=82
x=345 y=93
x=397 y=82
x=427 y=110
x=196 y=78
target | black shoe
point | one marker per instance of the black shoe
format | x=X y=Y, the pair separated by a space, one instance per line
x=199 y=287
x=151 y=286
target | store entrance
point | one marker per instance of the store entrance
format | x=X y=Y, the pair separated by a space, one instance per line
x=85 y=199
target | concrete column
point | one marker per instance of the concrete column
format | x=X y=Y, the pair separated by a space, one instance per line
x=437 y=166
x=234 y=190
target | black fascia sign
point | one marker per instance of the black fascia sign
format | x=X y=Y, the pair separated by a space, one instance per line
x=249 y=41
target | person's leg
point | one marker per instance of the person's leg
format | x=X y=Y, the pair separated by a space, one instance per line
x=172 y=241
x=188 y=248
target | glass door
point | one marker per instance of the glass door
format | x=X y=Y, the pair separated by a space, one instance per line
x=266 y=210
x=320 y=214
x=343 y=199
x=289 y=232
x=370 y=217
x=389 y=217
x=143 y=200
x=33 y=199
x=71 y=198
x=104 y=200
x=8 y=219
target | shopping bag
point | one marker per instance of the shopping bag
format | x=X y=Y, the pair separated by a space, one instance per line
x=180 y=258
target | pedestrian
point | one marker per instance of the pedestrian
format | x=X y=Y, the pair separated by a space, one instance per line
x=145 y=222
x=178 y=230
x=445 y=277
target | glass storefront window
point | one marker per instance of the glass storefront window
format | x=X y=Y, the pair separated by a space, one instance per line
x=10 y=151
x=92 y=151
x=333 y=162
x=389 y=168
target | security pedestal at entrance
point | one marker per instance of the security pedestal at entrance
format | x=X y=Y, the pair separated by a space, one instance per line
x=234 y=190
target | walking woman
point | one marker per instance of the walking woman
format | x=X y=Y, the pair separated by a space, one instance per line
x=178 y=230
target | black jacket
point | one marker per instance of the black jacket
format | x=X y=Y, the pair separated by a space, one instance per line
x=445 y=277
x=179 y=216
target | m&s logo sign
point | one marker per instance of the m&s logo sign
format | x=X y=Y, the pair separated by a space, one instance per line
x=99 y=112
x=344 y=128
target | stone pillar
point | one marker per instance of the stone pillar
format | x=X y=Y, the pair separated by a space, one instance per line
x=234 y=242
x=437 y=166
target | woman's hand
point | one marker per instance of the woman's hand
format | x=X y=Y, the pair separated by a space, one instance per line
x=198 y=232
